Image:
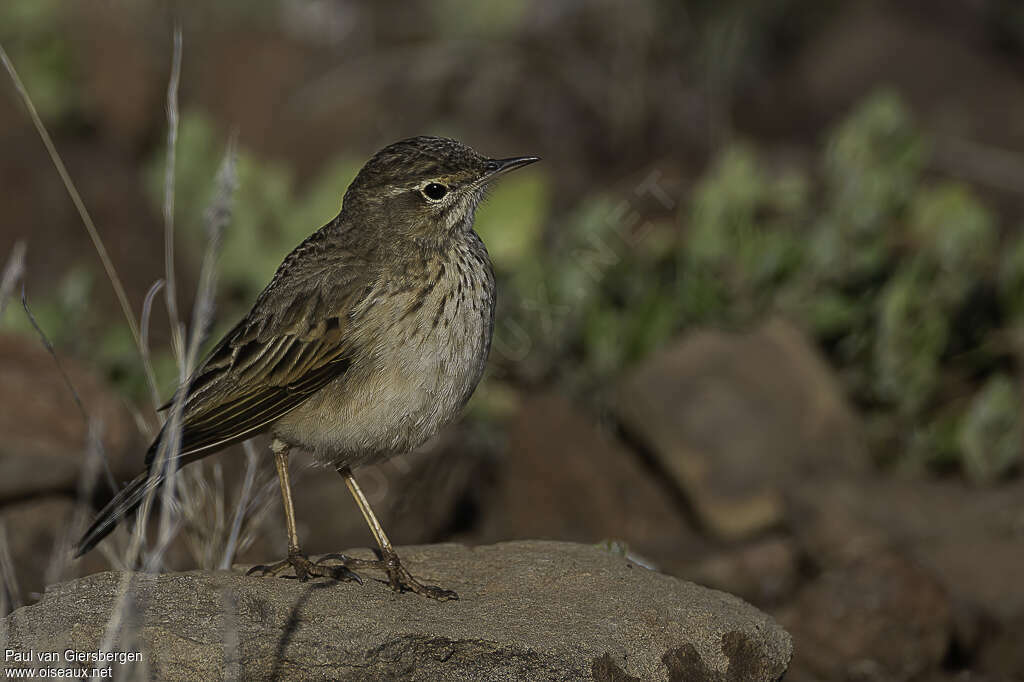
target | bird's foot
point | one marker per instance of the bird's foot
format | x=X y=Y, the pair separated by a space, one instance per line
x=399 y=578
x=305 y=569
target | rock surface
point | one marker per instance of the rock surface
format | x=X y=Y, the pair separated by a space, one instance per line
x=528 y=611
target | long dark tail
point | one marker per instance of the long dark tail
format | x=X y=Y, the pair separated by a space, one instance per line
x=125 y=502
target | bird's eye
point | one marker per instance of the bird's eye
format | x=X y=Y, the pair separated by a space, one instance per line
x=435 y=191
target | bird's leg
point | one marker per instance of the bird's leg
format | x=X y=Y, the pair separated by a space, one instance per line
x=399 y=578
x=297 y=561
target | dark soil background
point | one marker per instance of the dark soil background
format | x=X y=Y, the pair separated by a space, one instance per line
x=761 y=310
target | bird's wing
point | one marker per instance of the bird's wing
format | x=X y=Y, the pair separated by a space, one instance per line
x=293 y=342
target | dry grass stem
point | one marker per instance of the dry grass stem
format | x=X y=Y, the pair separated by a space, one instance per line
x=171 y=292
x=10 y=595
x=147 y=358
x=60 y=558
x=13 y=272
x=241 y=506
x=217 y=216
x=67 y=381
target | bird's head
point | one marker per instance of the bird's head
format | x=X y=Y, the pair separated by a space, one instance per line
x=424 y=187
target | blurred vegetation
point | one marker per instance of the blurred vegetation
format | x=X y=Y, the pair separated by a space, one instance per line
x=905 y=281
x=270 y=216
x=908 y=283
x=44 y=58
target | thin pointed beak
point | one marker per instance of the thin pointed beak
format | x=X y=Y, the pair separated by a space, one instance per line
x=497 y=167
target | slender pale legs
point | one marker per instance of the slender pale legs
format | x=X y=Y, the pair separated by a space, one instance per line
x=399 y=578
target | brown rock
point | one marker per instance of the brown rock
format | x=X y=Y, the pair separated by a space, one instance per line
x=969 y=538
x=1002 y=654
x=44 y=433
x=565 y=479
x=829 y=524
x=733 y=418
x=528 y=611
x=764 y=572
x=879 y=619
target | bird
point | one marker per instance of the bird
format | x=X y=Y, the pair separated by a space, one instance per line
x=371 y=336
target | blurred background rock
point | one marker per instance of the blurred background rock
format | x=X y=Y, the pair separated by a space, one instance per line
x=761 y=308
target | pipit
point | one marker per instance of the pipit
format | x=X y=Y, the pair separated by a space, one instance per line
x=371 y=336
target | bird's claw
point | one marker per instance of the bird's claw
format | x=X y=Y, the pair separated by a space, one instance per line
x=305 y=569
x=401 y=580
x=398 y=577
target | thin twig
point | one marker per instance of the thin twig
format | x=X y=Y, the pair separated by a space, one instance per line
x=13 y=271
x=72 y=191
x=53 y=354
x=147 y=360
x=171 y=292
x=67 y=381
x=242 y=506
x=165 y=462
x=217 y=217
x=11 y=592
x=87 y=479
